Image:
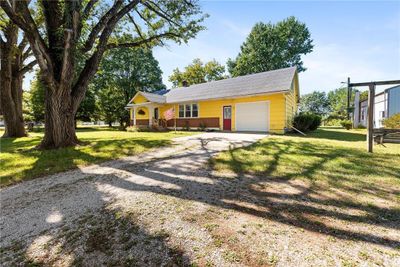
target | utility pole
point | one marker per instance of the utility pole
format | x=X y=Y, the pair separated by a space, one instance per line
x=348 y=97
x=370 y=122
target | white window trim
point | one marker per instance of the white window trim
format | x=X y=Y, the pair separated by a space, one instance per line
x=191 y=110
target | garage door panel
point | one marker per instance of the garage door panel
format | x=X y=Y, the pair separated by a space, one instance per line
x=252 y=116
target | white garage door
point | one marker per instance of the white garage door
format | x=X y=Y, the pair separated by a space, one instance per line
x=252 y=116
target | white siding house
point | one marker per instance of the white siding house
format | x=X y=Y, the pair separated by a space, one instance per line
x=387 y=103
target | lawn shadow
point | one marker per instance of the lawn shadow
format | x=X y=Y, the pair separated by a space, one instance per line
x=184 y=176
x=91 y=151
x=308 y=208
x=334 y=134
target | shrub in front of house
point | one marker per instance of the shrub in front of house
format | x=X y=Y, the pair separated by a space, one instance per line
x=202 y=126
x=307 y=122
x=347 y=124
x=393 y=122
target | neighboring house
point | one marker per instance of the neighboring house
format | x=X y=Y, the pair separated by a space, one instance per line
x=387 y=103
x=264 y=102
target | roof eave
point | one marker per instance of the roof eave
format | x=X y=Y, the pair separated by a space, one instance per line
x=230 y=97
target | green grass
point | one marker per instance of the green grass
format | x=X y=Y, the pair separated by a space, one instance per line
x=19 y=160
x=329 y=158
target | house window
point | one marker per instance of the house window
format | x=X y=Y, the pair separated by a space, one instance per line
x=181 y=111
x=363 y=114
x=195 y=111
x=188 y=111
x=382 y=114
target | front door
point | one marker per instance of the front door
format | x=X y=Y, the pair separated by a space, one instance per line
x=227 y=115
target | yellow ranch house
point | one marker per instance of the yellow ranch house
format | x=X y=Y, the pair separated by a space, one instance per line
x=262 y=102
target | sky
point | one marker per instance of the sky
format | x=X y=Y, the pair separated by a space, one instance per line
x=356 y=39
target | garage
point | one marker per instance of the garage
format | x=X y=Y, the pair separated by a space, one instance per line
x=253 y=116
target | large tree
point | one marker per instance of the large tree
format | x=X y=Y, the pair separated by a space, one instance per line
x=87 y=110
x=122 y=73
x=198 y=72
x=272 y=46
x=14 y=64
x=315 y=102
x=338 y=102
x=87 y=28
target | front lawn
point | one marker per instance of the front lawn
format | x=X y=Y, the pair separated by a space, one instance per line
x=329 y=158
x=20 y=161
x=322 y=197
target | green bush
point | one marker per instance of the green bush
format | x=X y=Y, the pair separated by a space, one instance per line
x=393 y=122
x=333 y=120
x=202 y=126
x=316 y=122
x=348 y=124
x=306 y=122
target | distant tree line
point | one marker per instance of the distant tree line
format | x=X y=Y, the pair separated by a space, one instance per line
x=331 y=106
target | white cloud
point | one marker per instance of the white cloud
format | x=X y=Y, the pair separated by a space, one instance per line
x=235 y=28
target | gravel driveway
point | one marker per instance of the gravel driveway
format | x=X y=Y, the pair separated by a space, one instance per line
x=51 y=219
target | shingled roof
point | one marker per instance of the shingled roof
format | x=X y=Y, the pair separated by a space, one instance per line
x=154 y=97
x=254 y=84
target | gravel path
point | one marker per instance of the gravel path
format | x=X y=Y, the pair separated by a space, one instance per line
x=165 y=207
x=41 y=205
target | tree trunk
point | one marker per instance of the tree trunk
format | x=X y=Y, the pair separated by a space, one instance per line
x=59 y=119
x=11 y=86
x=110 y=124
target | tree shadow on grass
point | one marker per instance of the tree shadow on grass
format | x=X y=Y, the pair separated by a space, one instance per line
x=183 y=176
x=306 y=209
x=57 y=160
x=334 y=134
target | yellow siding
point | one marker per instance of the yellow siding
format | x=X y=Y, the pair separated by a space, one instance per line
x=291 y=99
x=142 y=117
x=290 y=108
x=139 y=99
x=213 y=108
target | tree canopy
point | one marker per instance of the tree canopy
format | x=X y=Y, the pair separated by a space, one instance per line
x=198 y=72
x=122 y=73
x=315 y=102
x=338 y=102
x=272 y=46
x=88 y=28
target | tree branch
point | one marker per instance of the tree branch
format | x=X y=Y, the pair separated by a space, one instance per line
x=160 y=12
x=27 y=53
x=24 y=20
x=100 y=25
x=88 y=8
x=137 y=28
x=91 y=65
x=23 y=43
x=144 y=41
x=28 y=67
x=86 y=12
